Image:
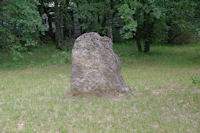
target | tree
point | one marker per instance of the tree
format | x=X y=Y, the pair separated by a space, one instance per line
x=180 y=18
x=96 y=15
x=139 y=19
x=109 y=16
x=90 y=15
x=20 y=26
x=144 y=20
x=43 y=8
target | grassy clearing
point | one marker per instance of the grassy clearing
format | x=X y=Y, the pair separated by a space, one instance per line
x=33 y=93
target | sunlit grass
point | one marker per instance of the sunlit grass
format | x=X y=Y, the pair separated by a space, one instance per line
x=33 y=94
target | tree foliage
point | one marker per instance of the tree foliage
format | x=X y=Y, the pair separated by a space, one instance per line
x=179 y=17
x=148 y=21
x=20 y=25
x=163 y=20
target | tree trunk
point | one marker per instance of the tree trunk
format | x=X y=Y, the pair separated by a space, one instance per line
x=72 y=28
x=148 y=37
x=148 y=27
x=59 y=25
x=50 y=32
x=138 y=39
x=109 y=18
x=139 y=45
x=147 y=46
x=65 y=24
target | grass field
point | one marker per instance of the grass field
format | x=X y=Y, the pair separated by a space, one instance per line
x=33 y=93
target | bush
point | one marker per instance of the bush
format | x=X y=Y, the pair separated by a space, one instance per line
x=20 y=27
x=185 y=37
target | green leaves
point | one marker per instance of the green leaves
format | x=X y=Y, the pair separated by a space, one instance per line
x=180 y=18
x=136 y=13
x=22 y=22
x=157 y=13
x=126 y=14
x=88 y=12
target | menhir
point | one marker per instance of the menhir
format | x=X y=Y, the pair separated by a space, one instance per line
x=95 y=66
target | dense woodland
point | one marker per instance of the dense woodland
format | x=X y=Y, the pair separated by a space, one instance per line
x=27 y=24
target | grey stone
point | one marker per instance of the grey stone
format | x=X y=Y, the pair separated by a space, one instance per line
x=95 y=65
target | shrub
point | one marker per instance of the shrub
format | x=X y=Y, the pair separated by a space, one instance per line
x=20 y=26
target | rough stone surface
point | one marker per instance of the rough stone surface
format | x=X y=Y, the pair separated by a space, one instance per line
x=95 y=66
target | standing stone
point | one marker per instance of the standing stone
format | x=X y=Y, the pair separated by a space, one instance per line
x=95 y=66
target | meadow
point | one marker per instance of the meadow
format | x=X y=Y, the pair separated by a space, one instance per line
x=33 y=93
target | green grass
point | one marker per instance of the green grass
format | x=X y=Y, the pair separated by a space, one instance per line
x=33 y=93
